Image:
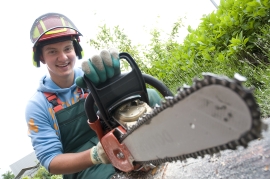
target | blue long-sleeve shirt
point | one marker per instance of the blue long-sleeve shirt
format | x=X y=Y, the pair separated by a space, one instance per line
x=42 y=125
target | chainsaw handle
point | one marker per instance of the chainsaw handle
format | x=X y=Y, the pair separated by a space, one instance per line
x=161 y=87
x=117 y=89
x=89 y=108
x=126 y=86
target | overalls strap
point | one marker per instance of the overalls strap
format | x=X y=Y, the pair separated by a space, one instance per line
x=77 y=136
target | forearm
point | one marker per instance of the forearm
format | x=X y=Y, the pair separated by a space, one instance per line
x=70 y=163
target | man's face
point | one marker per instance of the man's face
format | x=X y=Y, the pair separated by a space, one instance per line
x=60 y=59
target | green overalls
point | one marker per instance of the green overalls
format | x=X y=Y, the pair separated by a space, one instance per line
x=76 y=136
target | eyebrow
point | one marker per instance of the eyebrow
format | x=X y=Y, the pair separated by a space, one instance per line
x=70 y=45
x=52 y=48
x=48 y=48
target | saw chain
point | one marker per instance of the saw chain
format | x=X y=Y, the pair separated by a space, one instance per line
x=209 y=79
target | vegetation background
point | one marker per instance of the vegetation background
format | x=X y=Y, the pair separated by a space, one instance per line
x=233 y=39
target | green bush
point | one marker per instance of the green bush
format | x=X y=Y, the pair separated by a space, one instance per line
x=42 y=173
x=219 y=42
x=232 y=39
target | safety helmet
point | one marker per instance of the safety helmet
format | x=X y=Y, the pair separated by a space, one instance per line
x=52 y=28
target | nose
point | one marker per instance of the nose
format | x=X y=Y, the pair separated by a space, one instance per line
x=62 y=56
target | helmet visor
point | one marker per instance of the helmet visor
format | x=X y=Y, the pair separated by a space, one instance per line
x=49 y=24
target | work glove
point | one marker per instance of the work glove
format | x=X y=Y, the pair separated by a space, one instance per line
x=100 y=67
x=98 y=155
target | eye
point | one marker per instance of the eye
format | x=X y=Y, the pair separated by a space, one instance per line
x=69 y=48
x=51 y=52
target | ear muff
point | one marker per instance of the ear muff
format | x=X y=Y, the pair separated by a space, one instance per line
x=35 y=57
x=78 y=49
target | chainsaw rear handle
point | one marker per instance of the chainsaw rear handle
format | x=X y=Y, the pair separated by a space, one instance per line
x=123 y=87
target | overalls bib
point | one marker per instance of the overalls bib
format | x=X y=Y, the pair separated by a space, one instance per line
x=76 y=136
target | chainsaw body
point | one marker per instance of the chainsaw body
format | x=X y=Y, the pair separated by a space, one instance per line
x=109 y=97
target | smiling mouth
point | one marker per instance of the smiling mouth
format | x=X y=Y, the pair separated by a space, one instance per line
x=63 y=65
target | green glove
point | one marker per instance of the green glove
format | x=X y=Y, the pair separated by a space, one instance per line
x=153 y=97
x=100 y=67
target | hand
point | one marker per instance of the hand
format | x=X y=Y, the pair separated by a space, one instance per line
x=154 y=98
x=100 y=67
x=98 y=155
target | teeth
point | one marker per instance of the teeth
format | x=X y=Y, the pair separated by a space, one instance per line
x=63 y=65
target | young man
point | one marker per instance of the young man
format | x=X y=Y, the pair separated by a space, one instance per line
x=61 y=138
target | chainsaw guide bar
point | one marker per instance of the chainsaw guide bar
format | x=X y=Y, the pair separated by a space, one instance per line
x=214 y=114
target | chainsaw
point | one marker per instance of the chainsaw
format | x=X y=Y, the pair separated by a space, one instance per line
x=213 y=114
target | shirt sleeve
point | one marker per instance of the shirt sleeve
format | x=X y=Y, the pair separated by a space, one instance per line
x=43 y=130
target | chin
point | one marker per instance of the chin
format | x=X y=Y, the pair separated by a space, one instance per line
x=67 y=73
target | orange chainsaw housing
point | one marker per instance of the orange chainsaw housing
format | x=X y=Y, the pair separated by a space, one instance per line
x=118 y=154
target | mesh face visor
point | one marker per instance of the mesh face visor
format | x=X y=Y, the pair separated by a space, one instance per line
x=52 y=25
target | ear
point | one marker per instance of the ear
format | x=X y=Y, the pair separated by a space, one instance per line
x=41 y=59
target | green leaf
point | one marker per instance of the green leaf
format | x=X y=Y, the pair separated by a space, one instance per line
x=245 y=40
